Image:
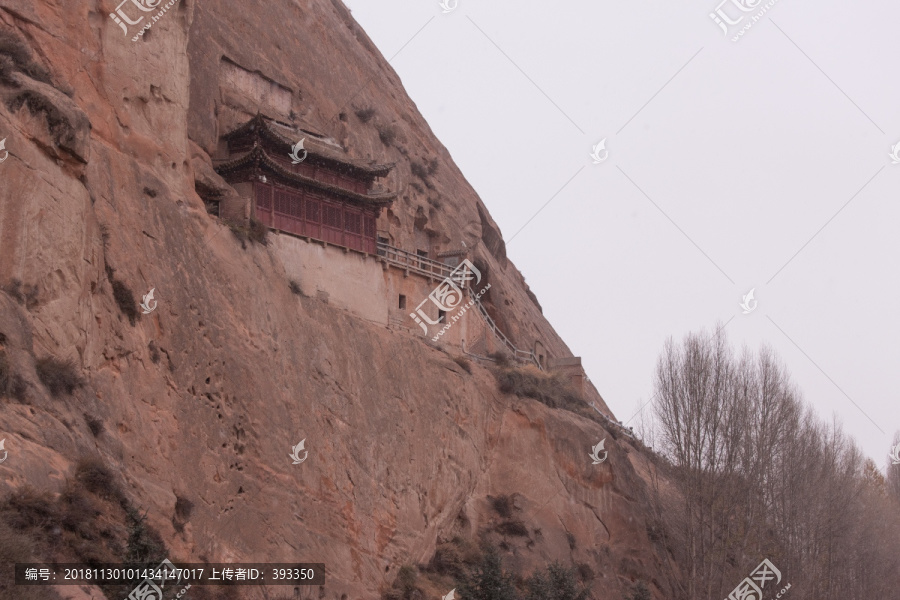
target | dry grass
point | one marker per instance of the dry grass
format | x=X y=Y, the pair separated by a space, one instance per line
x=502 y=505
x=183 y=510
x=123 y=296
x=255 y=232
x=91 y=521
x=12 y=385
x=16 y=56
x=258 y=232
x=463 y=362
x=424 y=171
x=512 y=527
x=125 y=300
x=453 y=558
x=365 y=114
x=387 y=134
x=58 y=376
x=154 y=352
x=18 y=548
x=22 y=293
x=405 y=586
x=530 y=382
x=93 y=474
x=501 y=359
x=94 y=424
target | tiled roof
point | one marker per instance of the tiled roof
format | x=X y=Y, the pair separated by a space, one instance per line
x=320 y=149
x=258 y=158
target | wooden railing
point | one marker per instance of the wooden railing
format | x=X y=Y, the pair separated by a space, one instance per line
x=525 y=355
x=413 y=262
x=438 y=270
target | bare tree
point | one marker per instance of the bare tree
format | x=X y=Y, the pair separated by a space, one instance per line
x=760 y=476
x=893 y=471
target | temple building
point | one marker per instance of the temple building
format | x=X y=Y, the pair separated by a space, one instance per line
x=324 y=196
x=323 y=210
x=339 y=228
x=324 y=213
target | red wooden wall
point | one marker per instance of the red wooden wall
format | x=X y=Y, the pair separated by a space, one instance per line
x=311 y=215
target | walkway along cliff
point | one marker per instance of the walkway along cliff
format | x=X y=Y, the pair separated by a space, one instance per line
x=286 y=298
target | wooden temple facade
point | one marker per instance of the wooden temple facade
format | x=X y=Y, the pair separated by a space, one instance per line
x=326 y=196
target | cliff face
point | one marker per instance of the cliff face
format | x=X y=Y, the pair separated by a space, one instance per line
x=201 y=400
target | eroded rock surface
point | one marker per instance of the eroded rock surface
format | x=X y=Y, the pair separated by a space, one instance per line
x=203 y=398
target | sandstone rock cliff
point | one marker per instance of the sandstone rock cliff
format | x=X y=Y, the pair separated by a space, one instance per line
x=200 y=401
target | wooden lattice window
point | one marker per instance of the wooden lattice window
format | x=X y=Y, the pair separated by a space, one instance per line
x=332 y=216
x=353 y=222
x=312 y=211
x=369 y=225
x=296 y=206
x=263 y=198
x=282 y=202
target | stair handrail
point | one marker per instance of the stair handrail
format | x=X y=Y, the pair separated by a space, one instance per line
x=527 y=355
x=414 y=262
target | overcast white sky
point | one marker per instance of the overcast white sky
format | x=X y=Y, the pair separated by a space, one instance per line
x=725 y=160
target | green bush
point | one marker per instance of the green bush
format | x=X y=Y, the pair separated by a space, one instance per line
x=145 y=546
x=454 y=557
x=488 y=581
x=639 y=592
x=555 y=583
